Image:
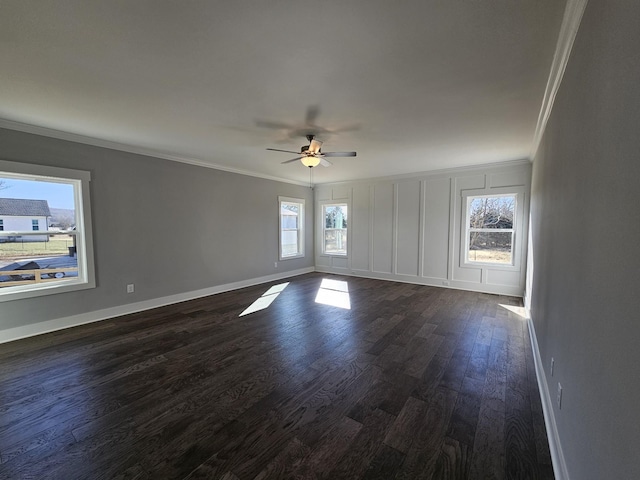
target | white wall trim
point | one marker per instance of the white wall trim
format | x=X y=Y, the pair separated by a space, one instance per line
x=557 y=457
x=568 y=30
x=31 y=330
x=123 y=147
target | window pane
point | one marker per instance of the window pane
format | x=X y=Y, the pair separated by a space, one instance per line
x=335 y=216
x=492 y=212
x=335 y=241
x=291 y=228
x=335 y=229
x=46 y=256
x=289 y=239
x=491 y=247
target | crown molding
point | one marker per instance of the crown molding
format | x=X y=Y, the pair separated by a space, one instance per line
x=568 y=30
x=443 y=172
x=123 y=147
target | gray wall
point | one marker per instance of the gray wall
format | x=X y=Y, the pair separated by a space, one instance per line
x=585 y=240
x=412 y=229
x=167 y=227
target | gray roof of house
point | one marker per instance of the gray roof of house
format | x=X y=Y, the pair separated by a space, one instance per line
x=17 y=207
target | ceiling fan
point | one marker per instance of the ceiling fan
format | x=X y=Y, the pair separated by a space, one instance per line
x=311 y=155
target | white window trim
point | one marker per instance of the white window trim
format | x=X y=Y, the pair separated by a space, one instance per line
x=84 y=229
x=301 y=229
x=467 y=196
x=333 y=203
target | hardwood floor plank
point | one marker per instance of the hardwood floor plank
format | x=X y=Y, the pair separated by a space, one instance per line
x=464 y=419
x=329 y=450
x=385 y=464
x=402 y=432
x=453 y=461
x=422 y=456
x=283 y=464
x=364 y=447
x=488 y=459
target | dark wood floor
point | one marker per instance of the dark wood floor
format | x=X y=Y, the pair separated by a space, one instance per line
x=411 y=382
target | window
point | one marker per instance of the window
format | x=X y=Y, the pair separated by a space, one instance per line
x=291 y=227
x=334 y=234
x=45 y=231
x=490 y=229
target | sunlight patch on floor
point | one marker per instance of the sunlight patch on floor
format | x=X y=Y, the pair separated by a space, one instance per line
x=520 y=311
x=265 y=300
x=334 y=293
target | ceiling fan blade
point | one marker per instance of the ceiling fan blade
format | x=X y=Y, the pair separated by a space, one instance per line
x=291 y=161
x=278 y=150
x=339 y=154
x=325 y=163
x=274 y=125
x=314 y=146
x=312 y=113
x=347 y=128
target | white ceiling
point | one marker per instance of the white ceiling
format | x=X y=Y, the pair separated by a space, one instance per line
x=429 y=84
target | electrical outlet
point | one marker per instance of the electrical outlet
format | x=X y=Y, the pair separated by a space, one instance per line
x=130 y=288
x=275 y=264
x=552 y=365
x=445 y=282
x=559 y=398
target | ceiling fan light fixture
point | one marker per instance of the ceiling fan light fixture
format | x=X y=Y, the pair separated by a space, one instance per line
x=310 y=161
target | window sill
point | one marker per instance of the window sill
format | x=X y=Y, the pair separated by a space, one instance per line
x=47 y=289
x=290 y=257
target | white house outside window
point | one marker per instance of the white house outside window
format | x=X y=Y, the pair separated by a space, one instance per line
x=291 y=227
x=36 y=259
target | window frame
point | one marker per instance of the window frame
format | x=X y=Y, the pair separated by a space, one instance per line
x=323 y=236
x=300 y=230
x=467 y=230
x=83 y=234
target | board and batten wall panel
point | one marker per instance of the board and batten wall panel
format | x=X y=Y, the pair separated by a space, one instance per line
x=408 y=228
x=412 y=229
x=382 y=241
x=437 y=206
x=360 y=231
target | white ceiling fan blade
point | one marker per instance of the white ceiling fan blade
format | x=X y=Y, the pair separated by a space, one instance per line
x=339 y=154
x=314 y=146
x=285 y=151
x=325 y=163
x=291 y=161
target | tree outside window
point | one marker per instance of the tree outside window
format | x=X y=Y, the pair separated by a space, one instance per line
x=335 y=229
x=490 y=229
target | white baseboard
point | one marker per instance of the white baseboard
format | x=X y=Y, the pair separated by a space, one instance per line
x=557 y=458
x=427 y=281
x=17 y=333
